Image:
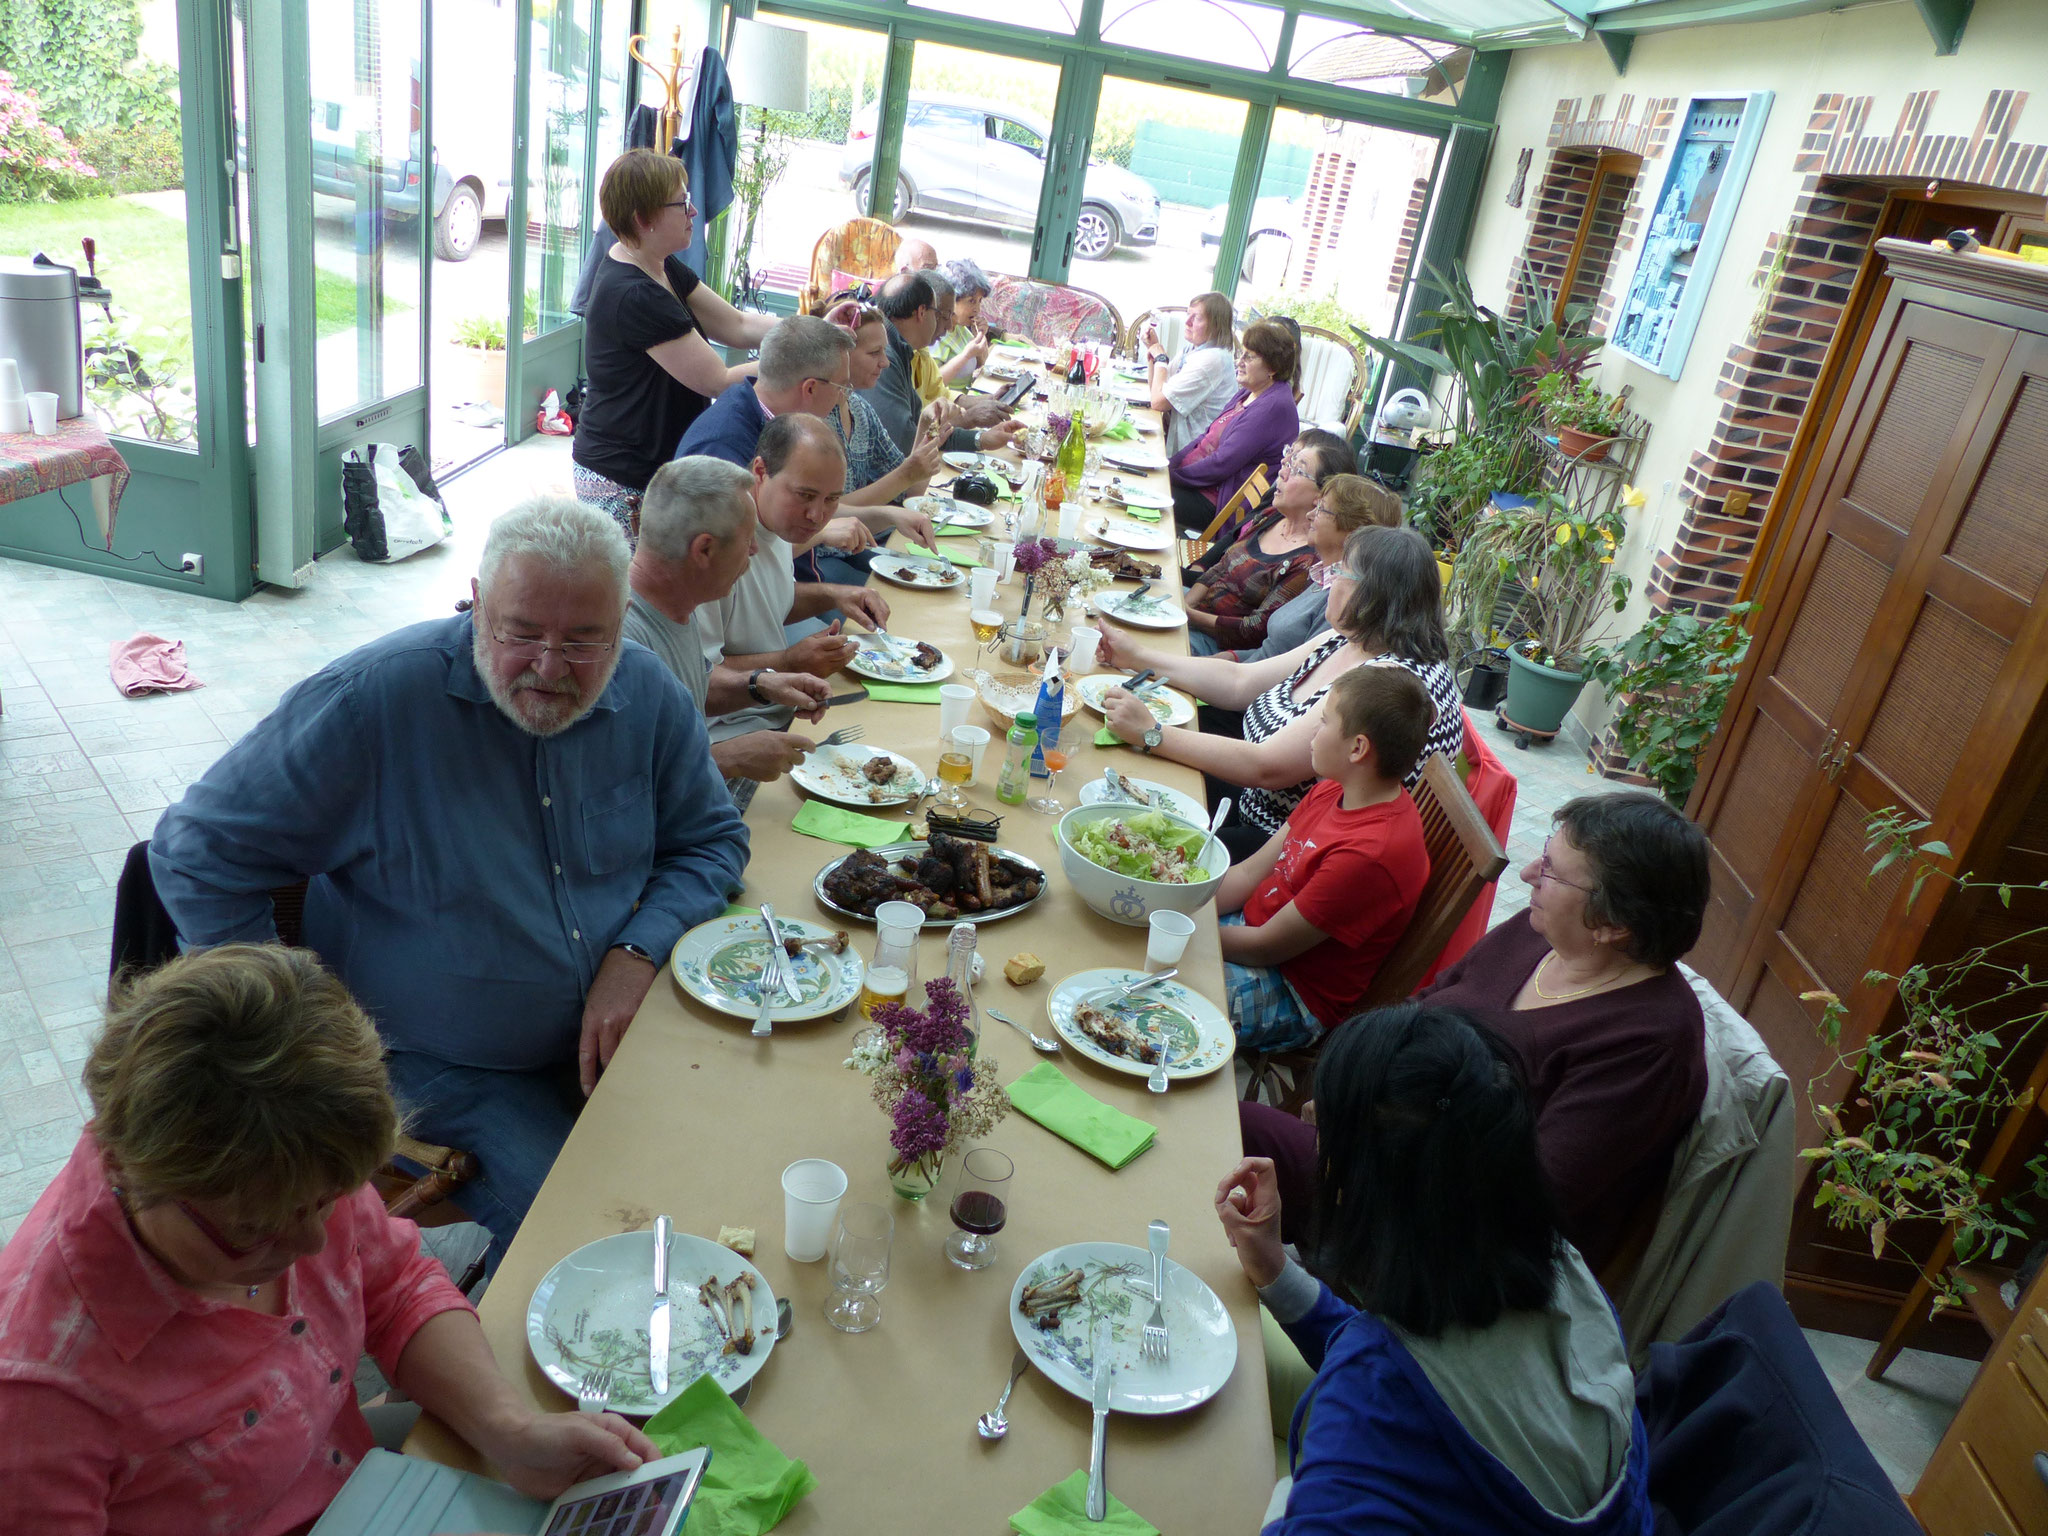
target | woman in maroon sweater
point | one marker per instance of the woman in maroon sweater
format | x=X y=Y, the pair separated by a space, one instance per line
x=1585 y=987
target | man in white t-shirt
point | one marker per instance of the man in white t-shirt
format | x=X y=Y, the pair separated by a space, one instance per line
x=697 y=538
x=799 y=474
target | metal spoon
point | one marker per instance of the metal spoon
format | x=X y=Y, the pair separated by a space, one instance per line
x=1050 y=1047
x=784 y=1320
x=993 y=1426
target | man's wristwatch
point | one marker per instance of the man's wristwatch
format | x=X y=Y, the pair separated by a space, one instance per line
x=754 y=687
x=1154 y=735
x=637 y=953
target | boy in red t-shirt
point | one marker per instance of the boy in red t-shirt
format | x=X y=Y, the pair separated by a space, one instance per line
x=1332 y=891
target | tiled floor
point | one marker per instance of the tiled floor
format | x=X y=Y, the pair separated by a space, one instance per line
x=84 y=773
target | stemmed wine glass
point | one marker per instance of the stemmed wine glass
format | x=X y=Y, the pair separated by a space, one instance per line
x=1048 y=804
x=980 y=1207
x=860 y=1267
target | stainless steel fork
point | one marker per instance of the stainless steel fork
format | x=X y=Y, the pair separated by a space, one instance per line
x=843 y=735
x=595 y=1390
x=1155 y=1346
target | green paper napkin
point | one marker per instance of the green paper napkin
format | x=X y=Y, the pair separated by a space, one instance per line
x=1142 y=514
x=734 y=909
x=1012 y=344
x=1047 y=1095
x=904 y=693
x=748 y=1485
x=1122 y=432
x=817 y=819
x=1108 y=738
x=1062 y=1510
x=959 y=557
x=961 y=533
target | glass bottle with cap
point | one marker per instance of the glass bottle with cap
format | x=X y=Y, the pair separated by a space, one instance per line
x=960 y=971
x=1014 y=782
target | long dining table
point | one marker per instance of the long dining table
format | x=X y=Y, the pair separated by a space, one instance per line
x=696 y=1119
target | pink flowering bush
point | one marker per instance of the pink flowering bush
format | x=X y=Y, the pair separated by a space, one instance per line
x=37 y=163
x=936 y=1089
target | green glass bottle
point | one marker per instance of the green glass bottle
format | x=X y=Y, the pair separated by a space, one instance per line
x=1073 y=459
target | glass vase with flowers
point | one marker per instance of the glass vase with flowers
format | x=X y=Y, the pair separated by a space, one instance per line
x=938 y=1090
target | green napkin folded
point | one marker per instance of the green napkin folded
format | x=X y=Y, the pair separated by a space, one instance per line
x=1108 y=738
x=1122 y=432
x=961 y=533
x=748 y=1485
x=1062 y=1510
x=734 y=909
x=1012 y=344
x=817 y=819
x=1047 y=1095
x=903 y=693
x=1142 y=514
x=959 y=557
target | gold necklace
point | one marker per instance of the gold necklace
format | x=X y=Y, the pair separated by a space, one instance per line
x=1565 y=997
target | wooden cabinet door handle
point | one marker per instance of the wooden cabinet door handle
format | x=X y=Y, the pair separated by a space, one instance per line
x=2041 y=1466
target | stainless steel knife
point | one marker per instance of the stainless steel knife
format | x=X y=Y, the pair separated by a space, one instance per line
x=658 y=1319
x=1098 y=1446
x=778 y=958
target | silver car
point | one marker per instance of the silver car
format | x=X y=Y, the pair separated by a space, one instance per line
x=966 y=159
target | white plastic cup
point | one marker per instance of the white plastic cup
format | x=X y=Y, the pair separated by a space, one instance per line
x=981 y=587
x=973 y=740
x=1166 y=939
x=1006 y=558
x=811 y=1191
x=10 y=379
x=954 y=701
x=42 y=412
x=1070 y=517
x=1086 y=640
x=13 y=417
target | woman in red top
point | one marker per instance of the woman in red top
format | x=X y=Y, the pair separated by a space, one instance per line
x=182 y=1312
x=1585 y=986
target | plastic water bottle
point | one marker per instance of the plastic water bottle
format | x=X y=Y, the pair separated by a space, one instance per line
x=1014 y=782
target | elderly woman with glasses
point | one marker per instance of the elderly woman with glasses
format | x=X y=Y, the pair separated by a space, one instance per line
x=187 y=1302
x=1239 y=584
x=1251 y=432
x=646 y=319
x=1585 y=987
x=1385 y=607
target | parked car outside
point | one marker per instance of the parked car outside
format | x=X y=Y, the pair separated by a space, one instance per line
x=966 y=159
x=1270 y=216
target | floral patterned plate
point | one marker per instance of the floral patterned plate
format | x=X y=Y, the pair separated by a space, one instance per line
x=1203 y=1344
x=590 y=1313
x=1150 y=610
x=1198 y=1035
x=1168 y=706
x=719 y=963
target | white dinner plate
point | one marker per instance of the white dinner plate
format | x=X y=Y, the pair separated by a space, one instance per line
x=837 y=774
x=1169 y=707
x=1098 y=791
x=926 y=574
x=1203 y=1345
x=719 y=963
x=945 y=512
x=1127 y=456
x=1154 y=610
x=1198 y=1033
x=1139 y=496
x=886 y=663
x=590 y=1313
x=1116 y=530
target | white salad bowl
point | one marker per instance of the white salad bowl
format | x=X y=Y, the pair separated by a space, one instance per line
x=1124 y=898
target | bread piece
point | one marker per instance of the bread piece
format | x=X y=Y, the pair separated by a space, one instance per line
x=739 y=1239
x=1023 y=968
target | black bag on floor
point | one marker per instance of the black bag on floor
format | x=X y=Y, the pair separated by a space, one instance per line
x=390 y=506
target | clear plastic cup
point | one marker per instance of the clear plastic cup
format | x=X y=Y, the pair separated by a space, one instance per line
x=954 y=701
x=973 y=740
x=1006 y=558
x=1166 y=939
x=981 y=587
x=1081 y=658
x=1070 y=517
x=811 y=1191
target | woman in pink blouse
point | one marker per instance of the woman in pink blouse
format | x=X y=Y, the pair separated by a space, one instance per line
x=182 y=1312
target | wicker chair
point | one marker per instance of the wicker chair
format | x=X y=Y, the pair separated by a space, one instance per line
x=1464 y=858
x=1330 y=378
x=1050 y=314
x=858 y=248
x=1173 y=325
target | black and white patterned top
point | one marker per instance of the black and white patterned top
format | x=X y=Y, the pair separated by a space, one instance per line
x=1277 y=708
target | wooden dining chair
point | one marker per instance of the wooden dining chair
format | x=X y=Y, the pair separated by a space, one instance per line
x=144 y=938
x=1464 y=858
x=1249 y=495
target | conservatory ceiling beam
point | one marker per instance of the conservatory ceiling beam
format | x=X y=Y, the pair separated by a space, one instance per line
x=1946 y=20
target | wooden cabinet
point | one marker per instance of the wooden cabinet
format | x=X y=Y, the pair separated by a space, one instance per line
x=1982 y=1476
x=1901 y=659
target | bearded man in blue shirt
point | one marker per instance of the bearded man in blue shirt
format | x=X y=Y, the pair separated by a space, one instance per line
x=506 y=819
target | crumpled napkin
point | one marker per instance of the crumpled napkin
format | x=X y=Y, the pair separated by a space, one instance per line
x=748 y=1485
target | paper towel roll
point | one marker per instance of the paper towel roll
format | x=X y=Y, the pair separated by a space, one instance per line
x=10 y=382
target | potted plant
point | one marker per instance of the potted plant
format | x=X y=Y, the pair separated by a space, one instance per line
x=1582 y=415
x=479 y=367
x=1554 y=559
x=1669 y=682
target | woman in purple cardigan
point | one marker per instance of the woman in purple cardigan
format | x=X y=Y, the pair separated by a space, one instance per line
x=1254 y=429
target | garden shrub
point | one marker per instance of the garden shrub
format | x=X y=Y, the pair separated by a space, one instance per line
x=37 y=163
x=133 y=160
x=80 y=59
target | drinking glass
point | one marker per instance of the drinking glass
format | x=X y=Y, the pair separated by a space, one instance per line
x=956 y=768
x=980 y=1207
x=1048 y=803
x=860 y=1267
x=987 y=623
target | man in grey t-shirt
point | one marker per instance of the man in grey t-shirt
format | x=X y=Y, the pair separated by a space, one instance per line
x=697 y=536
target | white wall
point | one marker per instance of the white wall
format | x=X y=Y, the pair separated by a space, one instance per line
x=1880 y=50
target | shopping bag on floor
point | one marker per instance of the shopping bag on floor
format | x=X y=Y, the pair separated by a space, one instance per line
x=390 y=507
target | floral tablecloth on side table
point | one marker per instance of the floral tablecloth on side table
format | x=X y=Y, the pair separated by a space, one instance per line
x=77 y=451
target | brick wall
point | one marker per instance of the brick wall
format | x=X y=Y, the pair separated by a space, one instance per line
x=1411 y=230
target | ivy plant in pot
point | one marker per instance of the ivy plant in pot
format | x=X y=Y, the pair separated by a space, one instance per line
x=1669 y=682
x=1556 y=558
x=1583 y=417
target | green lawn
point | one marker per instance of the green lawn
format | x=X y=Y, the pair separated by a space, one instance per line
x=142 y=258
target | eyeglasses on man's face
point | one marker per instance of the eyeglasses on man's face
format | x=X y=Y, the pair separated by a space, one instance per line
x=578 y=653
x=829 y=384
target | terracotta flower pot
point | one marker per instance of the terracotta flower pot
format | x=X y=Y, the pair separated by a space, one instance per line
x=1574 y=444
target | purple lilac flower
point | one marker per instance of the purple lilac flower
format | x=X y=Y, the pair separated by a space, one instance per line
x=1032 y=555
x=920 y=1127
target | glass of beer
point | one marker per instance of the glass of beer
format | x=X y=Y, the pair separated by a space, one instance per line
x=987 y=624
x=955 y=769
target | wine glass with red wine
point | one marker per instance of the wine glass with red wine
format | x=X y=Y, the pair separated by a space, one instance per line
x=980 y=1207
